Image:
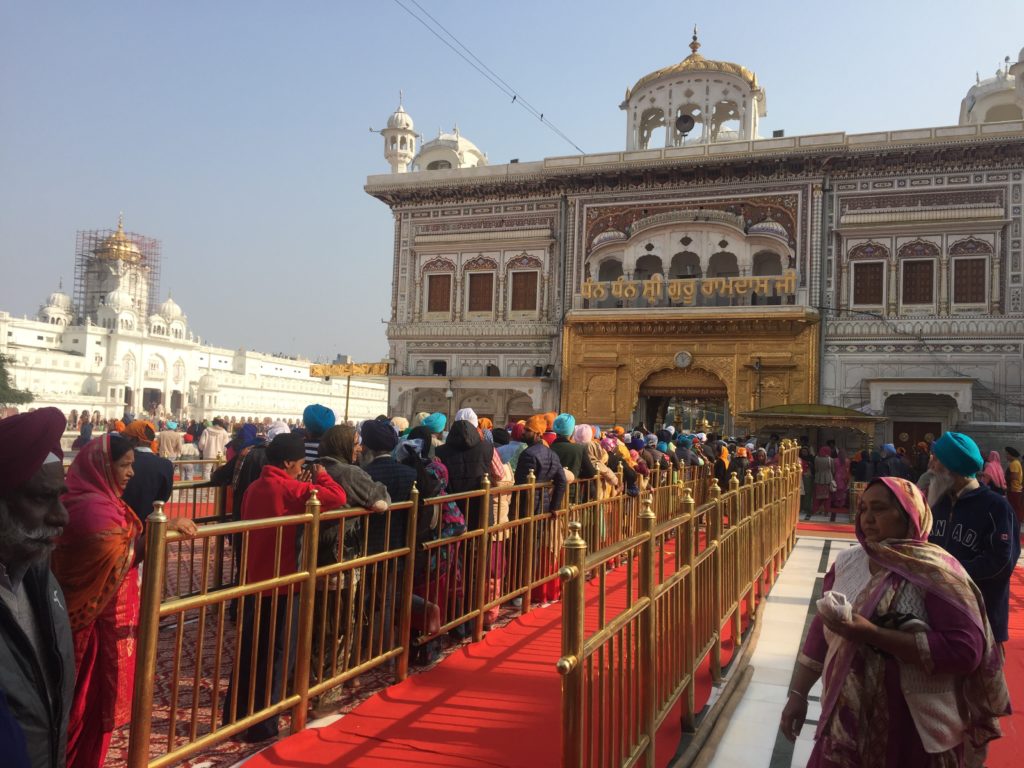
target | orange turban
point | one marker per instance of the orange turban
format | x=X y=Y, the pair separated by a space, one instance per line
x=741 y=452
x=485 y=423
x=119 y=426
x=143 y=431
x=549 y=419
x=537 y=424
x=619 y=430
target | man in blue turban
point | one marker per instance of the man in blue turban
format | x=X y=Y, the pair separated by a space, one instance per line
x=974 y=524
x=317 y=419
x=435 y=422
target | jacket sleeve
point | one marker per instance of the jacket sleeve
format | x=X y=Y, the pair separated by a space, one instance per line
x=995 y=560
x=330 y=494
x=166 y=482
x=224 y=474
x=587 y=468
x=557 y=481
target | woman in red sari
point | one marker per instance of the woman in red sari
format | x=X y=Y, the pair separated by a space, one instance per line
x=96 y=562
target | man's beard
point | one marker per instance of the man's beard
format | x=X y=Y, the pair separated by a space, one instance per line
x=941 y=484
x=18 y=543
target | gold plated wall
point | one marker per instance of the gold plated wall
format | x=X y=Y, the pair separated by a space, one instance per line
x=768 y=356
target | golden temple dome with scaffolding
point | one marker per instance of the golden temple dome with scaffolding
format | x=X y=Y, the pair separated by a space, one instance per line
x=119 y=247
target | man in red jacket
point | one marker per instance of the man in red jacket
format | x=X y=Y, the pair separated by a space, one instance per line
x=282 y=489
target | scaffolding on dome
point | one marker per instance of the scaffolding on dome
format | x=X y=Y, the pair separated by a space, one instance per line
x=88 y=243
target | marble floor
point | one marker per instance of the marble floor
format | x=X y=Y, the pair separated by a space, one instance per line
x=752 y=738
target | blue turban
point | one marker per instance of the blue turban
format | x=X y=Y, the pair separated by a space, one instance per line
x=172 y=425
x=651 y=440
x=435 y=422
x=958 y=453
x=889 y=450
x=564 y=424
x=318 y=419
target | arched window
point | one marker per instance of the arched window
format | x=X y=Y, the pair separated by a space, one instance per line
x=723 y=264
x=684 y=264
x=725 y=121
x=438 y=165
x=698 y=124
x=767 y=263
x=651 y=120
x=1003 y=112
x=647 y=267
x=401 y=142
x=610 y=270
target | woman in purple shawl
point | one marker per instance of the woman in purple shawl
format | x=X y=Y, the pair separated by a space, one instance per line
x=914 y=677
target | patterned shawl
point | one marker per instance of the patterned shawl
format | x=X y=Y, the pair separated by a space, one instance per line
x=97 y=548
x=984 y=694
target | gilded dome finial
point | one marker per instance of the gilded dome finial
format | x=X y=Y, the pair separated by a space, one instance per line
x=694 y=43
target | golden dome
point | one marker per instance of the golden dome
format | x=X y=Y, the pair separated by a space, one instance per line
x=697 y=63
x=118 y=247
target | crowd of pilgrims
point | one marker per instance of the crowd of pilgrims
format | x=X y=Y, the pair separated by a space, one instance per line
x=93 y=522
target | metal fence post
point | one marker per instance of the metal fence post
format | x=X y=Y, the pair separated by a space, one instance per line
x=480 y=593
x=307 y=594
x=570 y=666
x=648 y=630
x=690 y=608
x=531 y=536
x=149 y=629
x=408 y=573
x=714 y=539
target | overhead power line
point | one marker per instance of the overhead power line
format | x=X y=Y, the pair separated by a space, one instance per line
x=476 y=63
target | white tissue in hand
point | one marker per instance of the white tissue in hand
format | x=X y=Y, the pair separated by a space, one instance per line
x=835 y=607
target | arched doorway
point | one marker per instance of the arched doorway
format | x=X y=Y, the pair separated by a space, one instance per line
x=692 y=399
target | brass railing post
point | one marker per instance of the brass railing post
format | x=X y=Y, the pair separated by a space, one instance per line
x=714 y=539
x=219 y=499
x=570 y=666
x=690 y=609
x=149 y=629
x=531 y=537
x=648 y=629
x=307 y=593
x=480 y=596
x=408 y=573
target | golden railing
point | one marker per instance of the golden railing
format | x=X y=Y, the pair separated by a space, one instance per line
x=337 y=618
x=630 y=650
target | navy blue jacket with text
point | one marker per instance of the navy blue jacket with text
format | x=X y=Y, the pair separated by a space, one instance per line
x=982 y=532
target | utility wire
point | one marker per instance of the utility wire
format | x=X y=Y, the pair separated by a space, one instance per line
x=489 y=74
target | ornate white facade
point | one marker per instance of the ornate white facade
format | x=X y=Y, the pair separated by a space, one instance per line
x=115 y=360
x=904 y=246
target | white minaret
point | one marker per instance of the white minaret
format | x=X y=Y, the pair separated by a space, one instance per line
x=399 y=139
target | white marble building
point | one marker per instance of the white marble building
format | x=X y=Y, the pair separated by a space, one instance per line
x=113 y=359
x=907 y=247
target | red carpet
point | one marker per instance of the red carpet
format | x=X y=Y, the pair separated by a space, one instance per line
x=493 y=703
x=1006 y=752
x=805 y=526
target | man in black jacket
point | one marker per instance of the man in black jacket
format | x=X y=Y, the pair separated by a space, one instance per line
x=154 y=475
x=545 y=465
x=467 y=457
x=37 y=660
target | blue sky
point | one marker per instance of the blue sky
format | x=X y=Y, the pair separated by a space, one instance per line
x=236 y=132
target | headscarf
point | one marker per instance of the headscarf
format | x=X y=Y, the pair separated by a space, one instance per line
x=84 y=435
x=608 y=443
x=992 y=472
x=318 y=419
x=826 y=452
x=408 y=451
x=485 y=423
x=516 y=432
x=143 y=431
x=564 y=424
x=339 y=442
x=26 y=440
x=435 y=422
x=378 y=435
x=97 y=548
x=279 y=427
x=583 y=434
x=248 y=435
x=422 y=432
x=467 y=414
x=723 y=454
x=537 y=424
x=932 y=569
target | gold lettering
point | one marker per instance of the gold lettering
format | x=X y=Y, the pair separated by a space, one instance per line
x=653 y=289
x=689 y=291
x=787 y=283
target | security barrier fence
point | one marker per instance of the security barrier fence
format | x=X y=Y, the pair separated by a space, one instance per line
x=341 y=592
x=643 y=612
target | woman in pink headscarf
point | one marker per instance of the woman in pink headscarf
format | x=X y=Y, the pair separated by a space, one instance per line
x=992 y=473
x=913 y=677
x=842 y=479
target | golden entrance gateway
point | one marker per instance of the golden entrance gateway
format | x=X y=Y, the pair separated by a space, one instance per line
x=622 y=366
